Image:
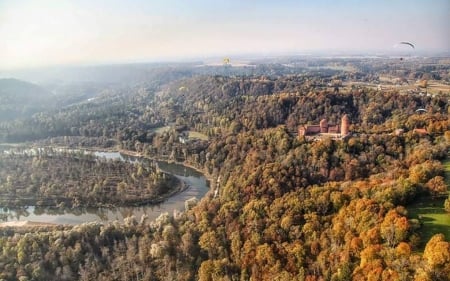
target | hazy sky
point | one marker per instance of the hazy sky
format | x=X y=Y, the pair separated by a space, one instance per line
x=49 y=32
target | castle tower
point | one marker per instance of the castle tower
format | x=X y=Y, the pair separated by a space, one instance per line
x=323 y=126
x=345 y=124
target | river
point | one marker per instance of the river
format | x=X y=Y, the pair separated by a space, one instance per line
x=197 y=187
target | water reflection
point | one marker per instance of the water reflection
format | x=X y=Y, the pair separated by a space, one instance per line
x=13 y=214
x=197 y=187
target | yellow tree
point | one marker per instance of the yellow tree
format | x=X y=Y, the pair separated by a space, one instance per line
x=437 y=257
x=437 y=186
x=394 y=228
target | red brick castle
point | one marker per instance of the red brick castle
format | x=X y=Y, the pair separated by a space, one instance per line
x=325 y=129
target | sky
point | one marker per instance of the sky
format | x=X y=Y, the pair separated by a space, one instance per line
x=64 y=32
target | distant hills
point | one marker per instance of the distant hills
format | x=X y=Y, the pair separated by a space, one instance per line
x=19 y=99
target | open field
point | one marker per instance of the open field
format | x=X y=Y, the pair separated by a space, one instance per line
x=446 y=164
x=431 y=213
x=386 y=83
x=435 y=87
x=192 y=134
x=197 y=135
x=433 y=217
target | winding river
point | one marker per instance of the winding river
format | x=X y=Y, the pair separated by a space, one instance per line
x=197 y=188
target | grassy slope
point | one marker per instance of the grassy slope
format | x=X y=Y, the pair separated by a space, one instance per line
x=431 y=213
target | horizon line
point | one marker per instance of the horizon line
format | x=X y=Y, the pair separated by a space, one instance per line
x=317 y=53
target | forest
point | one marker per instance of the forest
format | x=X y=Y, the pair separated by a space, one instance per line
x=287 y=208
x=73 y=179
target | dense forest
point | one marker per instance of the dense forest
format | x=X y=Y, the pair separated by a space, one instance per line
x=71 y=179
x=283 y=208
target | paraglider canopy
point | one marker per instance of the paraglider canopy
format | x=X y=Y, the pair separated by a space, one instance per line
x=407 y=43
x=421 y=110
x=403 y=49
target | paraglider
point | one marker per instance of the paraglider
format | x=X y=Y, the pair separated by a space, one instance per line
x=421 y=110
x=407 y=43
x=404 y=48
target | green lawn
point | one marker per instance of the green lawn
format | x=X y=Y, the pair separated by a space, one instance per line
x=446 y=165
x=431 y=213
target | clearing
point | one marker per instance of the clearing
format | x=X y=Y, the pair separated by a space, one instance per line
x=431 y=213
x=197 y=135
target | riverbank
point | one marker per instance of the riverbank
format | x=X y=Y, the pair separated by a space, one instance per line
x=132 y=153
x=138 y=154
x=195 y=184
x=63 y=178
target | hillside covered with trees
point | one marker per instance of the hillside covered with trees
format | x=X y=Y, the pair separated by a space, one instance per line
x=20 y=99
x=282 y=207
